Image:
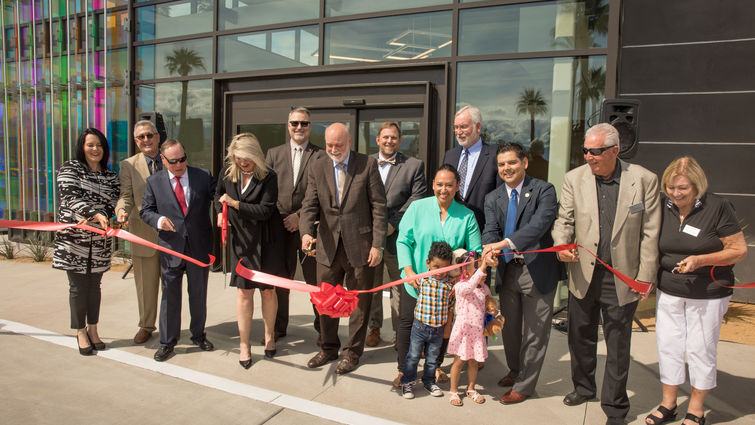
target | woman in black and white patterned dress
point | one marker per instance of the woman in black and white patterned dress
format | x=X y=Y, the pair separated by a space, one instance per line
x=88 y=191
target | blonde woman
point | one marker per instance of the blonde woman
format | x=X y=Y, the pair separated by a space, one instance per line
x=699 y=230
x=250 y=189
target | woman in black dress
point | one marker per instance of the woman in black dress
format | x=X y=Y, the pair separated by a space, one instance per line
x=250 y=189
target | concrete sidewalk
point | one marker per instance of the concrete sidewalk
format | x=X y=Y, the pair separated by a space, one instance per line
x=45 y=380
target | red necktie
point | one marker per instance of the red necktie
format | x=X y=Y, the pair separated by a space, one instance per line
x=180 y=195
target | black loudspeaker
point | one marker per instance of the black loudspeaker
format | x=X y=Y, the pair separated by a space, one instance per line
x=157 y=120
x=624 y=114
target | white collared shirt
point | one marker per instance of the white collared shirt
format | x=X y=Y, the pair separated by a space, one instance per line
x=335 y=171
x=184 y=184
x=519 y=201
x=386 y=167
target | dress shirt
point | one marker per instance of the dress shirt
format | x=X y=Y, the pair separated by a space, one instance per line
x=386 y=167
x=335 y=171
x=156 y=160
x=519 y=195
x=474 y=155
x=608 y=197
x=293 y=146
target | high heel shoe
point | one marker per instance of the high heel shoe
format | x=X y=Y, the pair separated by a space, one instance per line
x=99 y=346
x=246 y=364
x=270 y=353
x=85 y=351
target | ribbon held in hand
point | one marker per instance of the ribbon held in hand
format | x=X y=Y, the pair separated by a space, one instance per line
x=224 y=225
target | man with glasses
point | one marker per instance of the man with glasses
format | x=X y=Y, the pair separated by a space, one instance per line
x=290 y=161
x=474 y=160
x=133 y=175
x=612 y=208
x=177 y=203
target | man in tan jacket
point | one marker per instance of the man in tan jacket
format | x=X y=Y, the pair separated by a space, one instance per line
x=133 y=174
x=611 y=208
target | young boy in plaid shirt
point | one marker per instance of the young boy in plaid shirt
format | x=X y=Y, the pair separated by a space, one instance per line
x=430 y=315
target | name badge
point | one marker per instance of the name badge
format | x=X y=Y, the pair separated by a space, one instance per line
x=636 y=208
x=694 y=231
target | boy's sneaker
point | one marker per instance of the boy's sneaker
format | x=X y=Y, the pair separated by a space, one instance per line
x=434 y=390
x=407 y=390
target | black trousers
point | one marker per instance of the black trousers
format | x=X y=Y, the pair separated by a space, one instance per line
x=406 y=306
x=294 y=254
x=84 y=298
x=584 y=316
x=353 y=278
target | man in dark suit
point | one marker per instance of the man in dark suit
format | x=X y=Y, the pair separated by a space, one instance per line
x=290 y=161
x=404 y=181
x=177 y=203
x=611 y=207
x=133 y=175
x=518 y=217
x=346 y=193
x=474 y=160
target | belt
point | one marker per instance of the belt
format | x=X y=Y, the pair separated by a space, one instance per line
x=518 y=261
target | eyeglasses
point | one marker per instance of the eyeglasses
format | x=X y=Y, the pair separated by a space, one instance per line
x=596 y=151
x=145 y=136
x=176 y=161
x=295 y=124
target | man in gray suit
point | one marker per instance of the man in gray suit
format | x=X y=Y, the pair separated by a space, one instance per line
x=518 y=217
x=404 y=181
x=133 y=175
x=611 y=207
x=290 y=161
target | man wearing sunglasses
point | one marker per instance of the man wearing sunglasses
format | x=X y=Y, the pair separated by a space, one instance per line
x=177 y=203
x=290 y=161
x=612 y=208
x=133 y=175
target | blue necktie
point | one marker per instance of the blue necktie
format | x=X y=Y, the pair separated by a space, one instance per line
x=463 y=170
x=510 y=221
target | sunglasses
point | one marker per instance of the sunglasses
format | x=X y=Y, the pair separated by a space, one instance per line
x=176 y=161
x=596 y=151
x=299 y=123
x=145 y=136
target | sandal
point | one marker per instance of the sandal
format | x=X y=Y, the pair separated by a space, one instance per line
x=475 y=396
x=696 y=419
x=668 y=415
x=455 y=400
x=440 y=376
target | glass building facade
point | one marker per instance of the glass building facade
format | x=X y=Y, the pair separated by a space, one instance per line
x=537 y=70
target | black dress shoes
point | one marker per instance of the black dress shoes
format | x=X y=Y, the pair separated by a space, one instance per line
x=163 y=353
x=99 y=346
x=575 y=399
x=320 y=359
x=204 y=344
x=86 y=351
x=270 y=353
x=246 y=364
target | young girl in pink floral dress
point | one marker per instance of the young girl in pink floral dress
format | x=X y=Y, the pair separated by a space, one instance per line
x=467 y=342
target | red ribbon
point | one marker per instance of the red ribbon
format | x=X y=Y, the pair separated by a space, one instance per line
x=118 y=233
x=224 y=225
x=744 y=285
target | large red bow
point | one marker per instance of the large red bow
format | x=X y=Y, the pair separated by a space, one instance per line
x=335 y=301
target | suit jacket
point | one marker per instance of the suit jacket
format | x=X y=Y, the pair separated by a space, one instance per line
x=360 y=220
x=290 y=196
x=484 y=179
x=634 y=239
x=405 y=183
x=536 y=212
x=255 y=224
x=133 y=176
x=195 y=228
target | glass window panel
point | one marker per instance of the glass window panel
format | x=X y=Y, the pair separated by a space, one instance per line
x=369 y=130
x=352 y=7
x=192 y=126
x=405 y=37
x=180 y=59
x=116 y=28
x=533 y=27
x=285 y=48
x=249 y=13
x=174 y=19
x=539 y=104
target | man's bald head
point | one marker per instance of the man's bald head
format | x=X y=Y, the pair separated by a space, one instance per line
x=337 y=141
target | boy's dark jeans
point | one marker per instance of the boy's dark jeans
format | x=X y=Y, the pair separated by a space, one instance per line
x=430 y=339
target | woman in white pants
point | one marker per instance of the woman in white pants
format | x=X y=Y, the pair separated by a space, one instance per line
x=699 y=230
